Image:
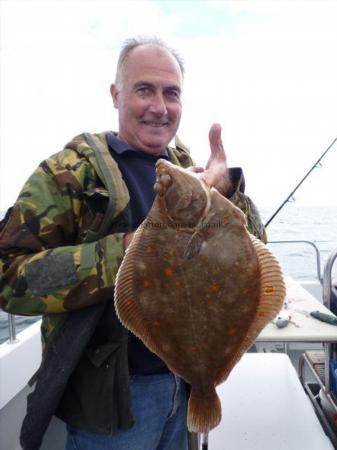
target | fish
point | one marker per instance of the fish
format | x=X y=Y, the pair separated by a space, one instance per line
x=196 y=287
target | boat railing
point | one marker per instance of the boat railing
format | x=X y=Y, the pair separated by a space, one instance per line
x=317 y=252
x=11 y=329
x=14 y=326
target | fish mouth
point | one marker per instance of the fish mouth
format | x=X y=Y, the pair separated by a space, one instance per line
x=163 y=182
x=163 y=179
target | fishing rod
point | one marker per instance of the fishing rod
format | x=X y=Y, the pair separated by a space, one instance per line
x=317 y=163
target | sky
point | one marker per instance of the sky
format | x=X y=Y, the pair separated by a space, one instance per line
x=265 y=70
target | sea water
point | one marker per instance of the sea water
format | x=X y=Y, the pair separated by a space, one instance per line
x=293 y=222
x=302 y=223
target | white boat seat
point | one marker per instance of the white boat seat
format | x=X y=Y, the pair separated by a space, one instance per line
x=265 y=407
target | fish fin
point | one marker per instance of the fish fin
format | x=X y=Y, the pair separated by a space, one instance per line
x=272 y=294
x=128 y=309
x=193 y=246
x=272 y=288
x=203 y=414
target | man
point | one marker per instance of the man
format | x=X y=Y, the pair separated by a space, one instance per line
x=64 y=239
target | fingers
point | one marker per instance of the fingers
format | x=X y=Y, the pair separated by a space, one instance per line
x=127 y=238
x=195 y=169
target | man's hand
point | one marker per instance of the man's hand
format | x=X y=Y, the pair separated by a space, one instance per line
x=215 y=173
x=127 y=238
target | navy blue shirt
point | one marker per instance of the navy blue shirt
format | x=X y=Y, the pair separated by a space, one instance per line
x=139 y=173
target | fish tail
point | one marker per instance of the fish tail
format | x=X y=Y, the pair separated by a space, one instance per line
x=204 y=413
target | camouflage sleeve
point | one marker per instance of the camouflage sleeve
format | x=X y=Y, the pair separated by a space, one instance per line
x=254 y=223
x=242 y=201
x=45 y=267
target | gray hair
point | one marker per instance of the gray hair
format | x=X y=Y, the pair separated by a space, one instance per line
x=131 y=44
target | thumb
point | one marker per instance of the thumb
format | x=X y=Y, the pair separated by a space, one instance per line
x=217 y=149
x=214 y=135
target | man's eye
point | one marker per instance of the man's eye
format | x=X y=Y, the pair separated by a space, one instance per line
x=144 y=90
x=173 y=93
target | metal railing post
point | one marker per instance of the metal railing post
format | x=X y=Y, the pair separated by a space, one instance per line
x=327 y=278
x=12 y=329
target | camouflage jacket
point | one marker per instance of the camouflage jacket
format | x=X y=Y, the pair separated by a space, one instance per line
x=53 y=260
x=60 y=248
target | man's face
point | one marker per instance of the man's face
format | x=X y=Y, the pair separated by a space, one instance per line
x=149 y=102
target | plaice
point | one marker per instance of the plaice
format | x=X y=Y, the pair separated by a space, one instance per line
x=196 y=287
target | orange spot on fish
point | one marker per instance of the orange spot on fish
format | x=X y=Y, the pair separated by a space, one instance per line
x=261 y=314
x=194 y=349
x=225 y=220
x=269 y=289
x=129 y=302
x=156 y=323
x=214 y=286
x=146 y=284
x=168 y=271
x=232 y=331
x=165 y=285
x=178 y=284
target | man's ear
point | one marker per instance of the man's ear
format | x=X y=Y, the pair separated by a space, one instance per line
x=114 y=94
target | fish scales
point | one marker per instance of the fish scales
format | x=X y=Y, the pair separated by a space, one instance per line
x=196 y=287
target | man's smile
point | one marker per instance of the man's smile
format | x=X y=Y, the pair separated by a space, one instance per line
x=154 y=124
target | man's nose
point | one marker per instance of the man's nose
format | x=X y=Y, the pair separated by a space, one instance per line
x=158 y=104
